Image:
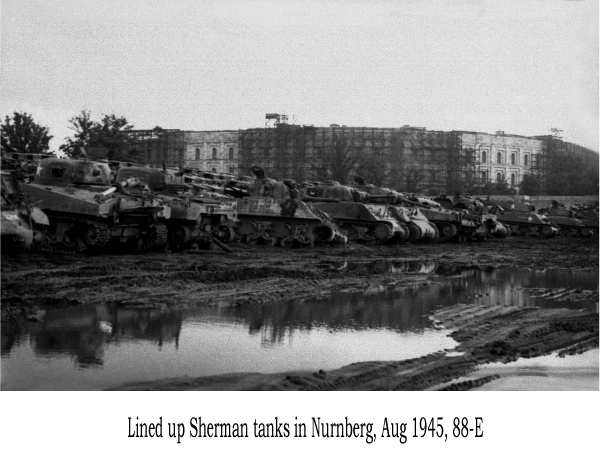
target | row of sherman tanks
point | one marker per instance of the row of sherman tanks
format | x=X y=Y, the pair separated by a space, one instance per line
x=87 y=205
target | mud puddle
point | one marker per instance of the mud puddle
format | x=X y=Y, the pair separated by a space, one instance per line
x=100 y=346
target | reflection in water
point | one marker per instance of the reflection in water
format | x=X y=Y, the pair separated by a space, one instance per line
x=83 y=331
x=117 y=343
x=380 y=266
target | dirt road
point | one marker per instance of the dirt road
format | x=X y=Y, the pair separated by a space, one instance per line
x=254 y=275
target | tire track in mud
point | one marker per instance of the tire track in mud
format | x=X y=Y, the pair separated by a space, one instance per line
x=485 y=334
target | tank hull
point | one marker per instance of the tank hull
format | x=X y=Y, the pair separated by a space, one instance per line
x=527 y=224
x=274 y=222
x=364 y=223
x=82 y=219
x=570 y=226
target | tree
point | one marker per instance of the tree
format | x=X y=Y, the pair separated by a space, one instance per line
x=83 y=125
x=24 y=135
x=338 y=160
x=493 y=188
x=373 y=170
x=571 y=173
x=414 y=179
x=530 y=185
x=110 y=133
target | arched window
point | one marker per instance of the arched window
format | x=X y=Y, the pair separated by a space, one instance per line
x=214 y=153
x=499 y=157
x=214 y=170
x=484 y=177
x=513 y=179
x=483 y=156
x=513 y=159
x=499 y=177
x=197 y=154
x=230 y=153
x=526 y=160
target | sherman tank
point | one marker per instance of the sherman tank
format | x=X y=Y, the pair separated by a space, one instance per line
x=519 y=219
x=195 y=219
x=87 y=212
x=417 y=226
x=23 y=225
x=360 y=221
x=451 y=225
x=476 y=211
x=273 y=214
x=566 y=220
x=588 y=215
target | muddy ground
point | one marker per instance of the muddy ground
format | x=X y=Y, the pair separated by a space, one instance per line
x=254 y=275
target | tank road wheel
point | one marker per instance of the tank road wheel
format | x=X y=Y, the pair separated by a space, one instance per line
x=96 y=235
x=287 y=242
x=449 y=230
x=586 y=232
x=224 y=233
x=382 y=233
x=180 y=235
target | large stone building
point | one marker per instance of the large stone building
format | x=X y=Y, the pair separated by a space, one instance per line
x=503 y=157
x=412 y=159
x=215 y=151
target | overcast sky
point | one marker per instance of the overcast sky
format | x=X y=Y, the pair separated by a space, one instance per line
x=523 y=67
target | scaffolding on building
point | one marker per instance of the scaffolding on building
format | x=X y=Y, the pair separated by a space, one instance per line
x=432 y=161
x=412 y=159
x=160 y=146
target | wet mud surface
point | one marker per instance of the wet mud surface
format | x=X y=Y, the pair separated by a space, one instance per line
x=35 y=283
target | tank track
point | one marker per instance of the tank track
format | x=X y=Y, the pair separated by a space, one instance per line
x=101 y=235
x=81 y=240
x=159 y=237
x=527 y=230
x=447 y=233
x=379 y=232
x=573 y=231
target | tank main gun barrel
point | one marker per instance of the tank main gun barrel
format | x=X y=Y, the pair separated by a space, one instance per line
x=131 y=182
x=309 y=198
x=378 y=198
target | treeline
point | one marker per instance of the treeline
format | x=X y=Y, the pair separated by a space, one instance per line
x=22 y=134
